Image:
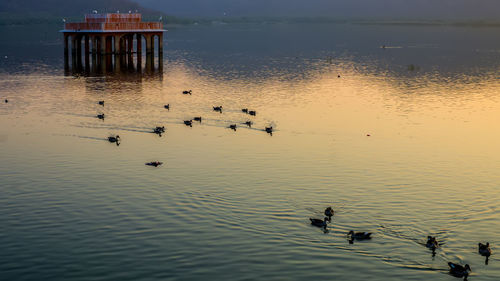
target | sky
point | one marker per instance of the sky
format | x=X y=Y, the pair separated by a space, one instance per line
x=431 y=9
x=63 y=7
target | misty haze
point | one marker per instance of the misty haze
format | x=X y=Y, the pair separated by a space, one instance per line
x=428 y=9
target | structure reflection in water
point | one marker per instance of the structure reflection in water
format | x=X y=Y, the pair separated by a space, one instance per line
x=122 y=66
x=113 y=43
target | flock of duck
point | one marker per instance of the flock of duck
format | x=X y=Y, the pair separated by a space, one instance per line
x=160 y=130
x=457 y=270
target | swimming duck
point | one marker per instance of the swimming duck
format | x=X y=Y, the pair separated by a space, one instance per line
x=167 y=106
x=484 y=249
x=432 y=243
x=359 y=235
x=190 y=92
x=329 y=212
x=116 y=139
x=218 y=108
x=249 y=123
x=245 y=110
x=269 y=130
x=188 y=123
x=232 y=126
x=101 y=102
x=6 y=100
x=458 y=270
x=197 y=119
x=159 y=130
x=154 y=163
x=100 y=116
x=252 y=112
x=318 y=222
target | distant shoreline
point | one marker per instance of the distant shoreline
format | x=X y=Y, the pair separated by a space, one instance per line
x=29 y=19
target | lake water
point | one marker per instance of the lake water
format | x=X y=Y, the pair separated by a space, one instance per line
x=405 y=144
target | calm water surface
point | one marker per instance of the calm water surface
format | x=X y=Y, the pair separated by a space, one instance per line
x=232 y=205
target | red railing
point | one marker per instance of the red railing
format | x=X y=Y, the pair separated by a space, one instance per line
x=108 y=26
x=133 y=26
x=97 y=18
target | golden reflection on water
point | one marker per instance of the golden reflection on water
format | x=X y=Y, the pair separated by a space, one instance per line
x=416 y=115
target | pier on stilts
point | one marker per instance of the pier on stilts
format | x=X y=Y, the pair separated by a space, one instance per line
x=110 y=42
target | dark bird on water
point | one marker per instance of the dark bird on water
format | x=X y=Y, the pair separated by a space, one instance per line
x=484 y=249
x=269 y=130
x=245 y=110
x=167 y=106
x=101 y=102
x=359 y=235
x=190 y=92
x=159 y=130
x=232 y=126
x=329 y=212
x=432 y=243
x=6 y=100
x=252 y=112
x=319 y=223
x=249 y=123
x=197 y=119
x=114 y=139
x=100 y=116
x=188 y=123
x=218 y=108
x=459 y=271
x=154 y=163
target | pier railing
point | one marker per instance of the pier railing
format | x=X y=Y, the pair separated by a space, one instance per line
x=96 y=18
x=113 y=26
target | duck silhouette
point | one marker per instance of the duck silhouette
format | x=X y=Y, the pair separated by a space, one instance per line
x=432 y=243
x=188 y=123
x=154 y=163
x=101 y=102
x=485 y=251
x=167 y=106
x=329 y=213
x=190 y=92
x=359 y=235
x=159 y=130
x=115 y=139
x=459 y=270
x=269 y=130
x=318 y=222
